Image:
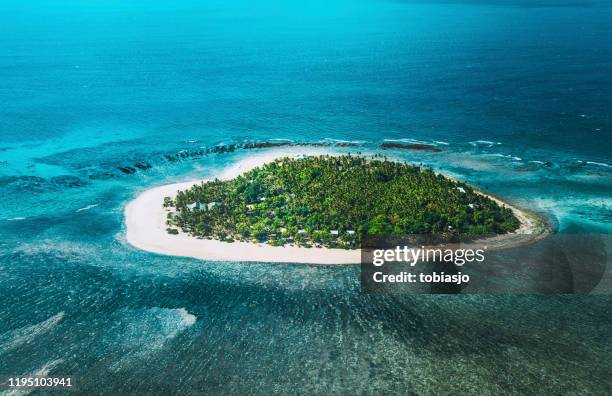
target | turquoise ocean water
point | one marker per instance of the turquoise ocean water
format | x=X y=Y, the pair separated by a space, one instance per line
x=517 y=95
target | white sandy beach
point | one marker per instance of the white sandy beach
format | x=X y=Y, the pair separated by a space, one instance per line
x=145 y=220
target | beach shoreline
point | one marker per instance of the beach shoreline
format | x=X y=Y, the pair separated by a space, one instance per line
x=145 y=222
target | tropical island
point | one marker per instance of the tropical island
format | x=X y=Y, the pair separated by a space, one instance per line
x=318 y=221
x=332 y=202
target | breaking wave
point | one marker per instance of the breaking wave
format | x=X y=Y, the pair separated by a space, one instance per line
x=86 y=208
x=408 y=140
x=487 y=143
x=330 y=140
x=138 y=333
x=599 y=164
x=508 y=156
x=24 y=335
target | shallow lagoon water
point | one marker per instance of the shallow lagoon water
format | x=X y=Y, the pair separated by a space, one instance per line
x=515 y=97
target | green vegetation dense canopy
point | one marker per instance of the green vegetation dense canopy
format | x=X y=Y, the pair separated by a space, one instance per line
x=332 y=201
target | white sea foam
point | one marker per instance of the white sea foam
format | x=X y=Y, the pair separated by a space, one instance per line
x=188 y=319
x=408 y=140
x=139 y=333
x=344 y=141
x=512 y=157
x=441 y=142
x=48 y=367
x=599 y=164
x=538 y=162
x=86 y=208
x=16 y=219
x=488 y=143
x=24 y=335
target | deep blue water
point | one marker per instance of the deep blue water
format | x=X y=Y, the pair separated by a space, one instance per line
x=517 y=95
